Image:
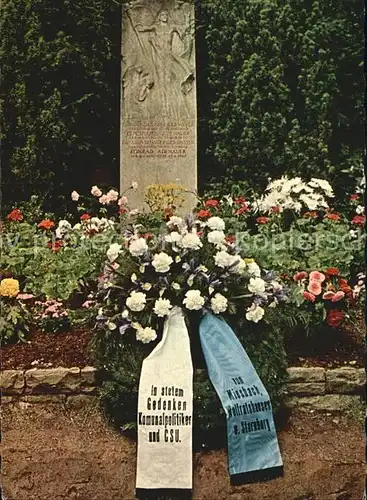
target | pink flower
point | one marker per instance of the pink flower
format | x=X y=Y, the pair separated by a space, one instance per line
x=95 y=191
x=122 y=201
x=75 y=196
x=104 y=199
x=338 y=296
x=25 y=296
x=314 y=287
x=112 y=195
x=300 y=276
x=328 y=295
x=309 y=296
x=317 y=276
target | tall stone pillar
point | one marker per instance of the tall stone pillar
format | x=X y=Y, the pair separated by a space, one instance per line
x=158 y=107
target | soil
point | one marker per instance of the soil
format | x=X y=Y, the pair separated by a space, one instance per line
x=51 y=452
x=71 y=349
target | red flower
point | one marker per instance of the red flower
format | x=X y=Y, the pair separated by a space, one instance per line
x=85 y=217
x=242 y=210
x=240 y=200
x=275 y=210
x=310 y=215
x=200 y=234
x=56 y=245
x=230 y=238
x=46 y=224
x=354 y=197
x=300 y=276
x=333 y=216
x=122 y=210
x=344 y=286
x=332 y=271
x=203 y=214
x=169 y=211
x=211 y=203
x=359 y=219
x=15 y=215
x=262 y=220
x=334 y=318
x=148 y=236
x=309 y=296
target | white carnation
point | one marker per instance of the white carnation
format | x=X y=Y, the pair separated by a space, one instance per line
x=219 y=303
x=138 y=247
x=162 y=307
x=216 y=224
x=194 y=300
x=256 y=286
x=255 y=313
x=216 y=237
x=146 y=335
x=113 y=252
x=161 y=262
x=224 y=259
x=136 y=302
x=175 y=238
x=254 y=269
x=191 y=241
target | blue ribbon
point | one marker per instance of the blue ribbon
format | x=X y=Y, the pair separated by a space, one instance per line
x=253 y=450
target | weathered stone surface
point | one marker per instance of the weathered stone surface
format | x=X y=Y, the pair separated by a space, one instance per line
x=12 y=381
x=158 y=108
x=88 y=379
x=302 y=374
x=328 y=402
x=345 y=380
x=6 y=400
x=306 y=389
x=52 y=380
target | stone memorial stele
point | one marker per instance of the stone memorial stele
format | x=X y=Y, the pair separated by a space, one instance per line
x=158 y=105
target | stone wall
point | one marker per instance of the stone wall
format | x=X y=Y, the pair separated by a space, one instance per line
x=310 y=388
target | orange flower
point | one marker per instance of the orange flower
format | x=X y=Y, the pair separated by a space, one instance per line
x=262 y=220
x=310 y=215
x=317 y=276
x=333 y=271
x=15 y=215
x=333 y=216
x=46 y=224
x=85 y=217
x=242 y=210
x=300 y=276
x=338 y=296
x=56 y=245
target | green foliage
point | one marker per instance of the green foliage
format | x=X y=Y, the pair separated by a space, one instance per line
x=286 y=89
x=14 y=320
x=60 y=76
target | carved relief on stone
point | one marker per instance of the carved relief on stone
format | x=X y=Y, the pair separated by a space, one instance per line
x=159 y=59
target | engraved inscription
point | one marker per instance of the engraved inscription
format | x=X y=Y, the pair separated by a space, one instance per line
x=144 y=139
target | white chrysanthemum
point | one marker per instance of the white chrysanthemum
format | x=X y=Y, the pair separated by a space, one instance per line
x=194 y=300
x=162 y=262
x=63 y=228
x=224 y=259
x=255 y=313
x=113 y=252
x=176 y=221
x=136 y=302
x=138 y=247
x=219 y=303
x=360 y=210
x=256 y=286
x=162 y=307
x=216 y=224
x=146 y=335
x=216 y=237
x=191 y=241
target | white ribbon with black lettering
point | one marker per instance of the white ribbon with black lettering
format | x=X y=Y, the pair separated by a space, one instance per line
x=165 y=411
